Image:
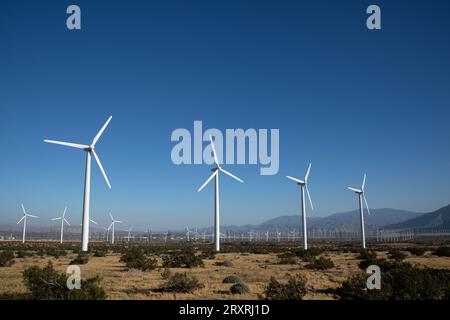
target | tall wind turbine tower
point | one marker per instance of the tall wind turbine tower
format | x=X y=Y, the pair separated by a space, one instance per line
x=304 y=185
x=361 y=197
x=216 y=171
x=24 y=219
x=90 y=151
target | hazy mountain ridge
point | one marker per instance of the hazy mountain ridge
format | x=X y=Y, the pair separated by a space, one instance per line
x=436 y=219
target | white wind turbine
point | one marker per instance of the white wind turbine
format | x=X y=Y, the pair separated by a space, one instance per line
x=215 y=175
x=24 y=218
x=304 y=185
x=63 y=220
x=87 y=180
x=129 y=233
x=361 y=196
x=113 y=222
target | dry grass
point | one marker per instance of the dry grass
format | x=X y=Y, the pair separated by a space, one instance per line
x=254 y=269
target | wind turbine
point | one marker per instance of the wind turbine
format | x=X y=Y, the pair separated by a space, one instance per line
x=304 y=185
x=216 y=171
x=90 y=151
x=107 y=232
x=24 y=218
x=113 y=222
x=129 y=233
x=63 y=220
x=361 y=196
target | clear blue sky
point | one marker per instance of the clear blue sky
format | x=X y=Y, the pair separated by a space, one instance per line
x=348 y=99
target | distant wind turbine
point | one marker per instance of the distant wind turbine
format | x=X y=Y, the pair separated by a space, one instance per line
x=113 y=222
x=24 y=218
x=361 y=196
x=87 y=181
x=304 y=185
x=215 y=175
x=63 y=220
x=129 y=233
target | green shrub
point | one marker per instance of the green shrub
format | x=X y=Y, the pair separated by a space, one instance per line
x=288 y=260
x=239 y=288
x=399 y=281
x=100 y=253
x=417 y=251
x=367 y=255
x=208 y=254
x=182 y=283
x=182 y=260
x=6 y=258
x=47 y=284
x=21 y=254
x=321 y=263
x=232 y=279
x=396 y=255
x=135 y=259
x=81 y=258
x=294 y=289
x=442 y=252
x=166 y=274
x=225 y=263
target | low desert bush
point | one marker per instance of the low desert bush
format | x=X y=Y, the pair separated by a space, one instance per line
x=294 y=289
x=81 y=258
x=48 y=284
x=396 y=255
x=186 y=259
x=417 y=251
x=225 y=263
x=321 y=263
x=136 y=259
x=6 y=258
x=239 y=288
x=166 y=273
x=399 y=281
x=181 y=283
x=442 y=252
x=232 y=279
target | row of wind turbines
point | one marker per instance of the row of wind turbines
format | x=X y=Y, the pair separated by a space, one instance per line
x=216 y=171
x=64 y=221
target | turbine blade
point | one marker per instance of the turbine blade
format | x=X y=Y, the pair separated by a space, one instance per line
x=367 y=206
x=207 y=181
x=93 y=221
x=296 y=180
x=64 y=213
x=307 y=172
x=65 y=220
x=309 y=197
x=23 y=209
x=356 y=190
x=101 y=131
x=231 y=175
x=54 y=219
x=111 y=216
x=101 y=168
x=364 y=182
x=216 y=160
x=118 y=221
x=109 y=228
x=31 y=216
x=21 y=220
x=68 y=144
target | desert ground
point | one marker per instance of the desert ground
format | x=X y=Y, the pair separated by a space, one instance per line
x=255 y=269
